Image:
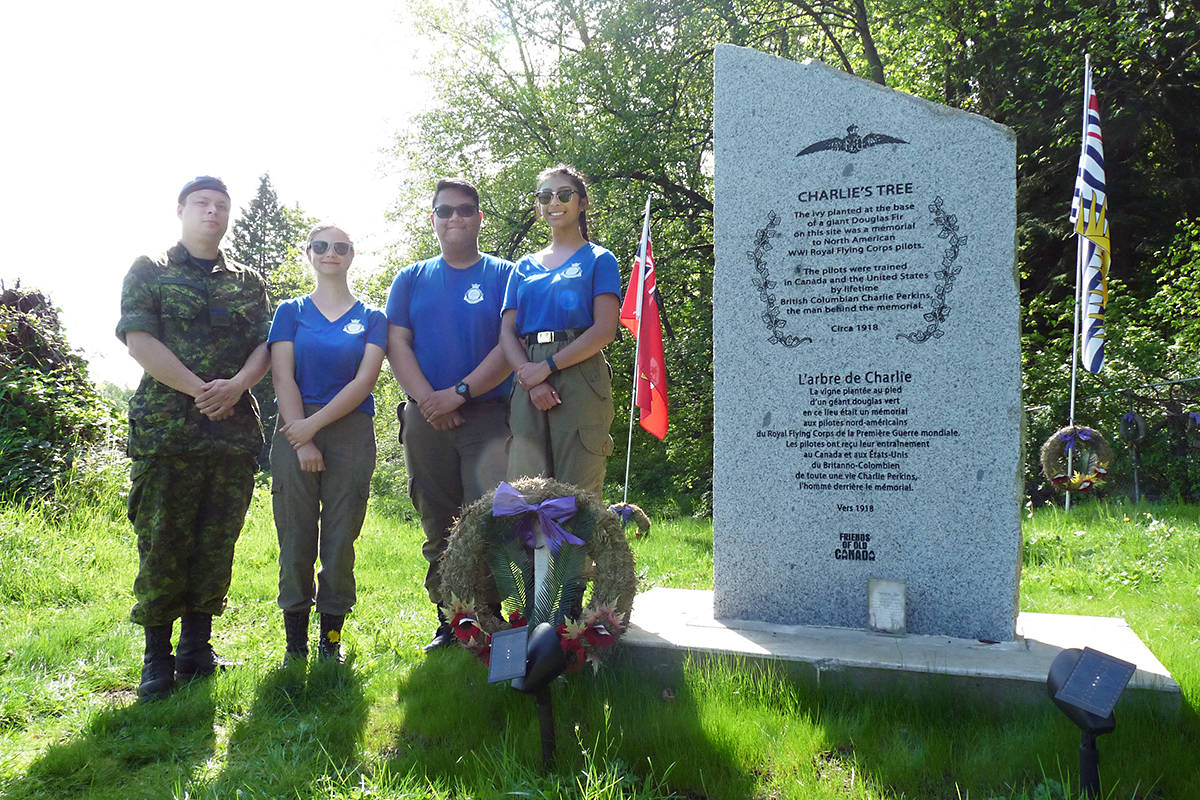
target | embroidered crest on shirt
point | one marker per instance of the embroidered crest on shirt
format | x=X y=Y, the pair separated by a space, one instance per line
x=474 y=294
x=354 y=327
x=572 y=271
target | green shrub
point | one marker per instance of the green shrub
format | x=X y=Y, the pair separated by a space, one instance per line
x=49 y=410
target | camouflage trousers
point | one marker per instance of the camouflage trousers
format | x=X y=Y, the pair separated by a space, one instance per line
x=187 y=512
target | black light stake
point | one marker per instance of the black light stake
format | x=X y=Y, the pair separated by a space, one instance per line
x=1085 y=685
x=544 y=661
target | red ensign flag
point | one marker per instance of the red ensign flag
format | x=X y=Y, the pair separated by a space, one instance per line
x=651 y=389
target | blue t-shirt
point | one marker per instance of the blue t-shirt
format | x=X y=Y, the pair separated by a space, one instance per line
x=454 y=316
x=561 y=299
x=328 y=353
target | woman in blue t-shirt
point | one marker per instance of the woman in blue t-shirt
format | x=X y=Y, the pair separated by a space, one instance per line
x=560 y=310
x=326 y=351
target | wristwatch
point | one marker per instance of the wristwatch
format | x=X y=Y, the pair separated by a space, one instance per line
x=463 y=391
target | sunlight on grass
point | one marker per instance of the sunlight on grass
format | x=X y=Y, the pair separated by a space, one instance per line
x=394 y=723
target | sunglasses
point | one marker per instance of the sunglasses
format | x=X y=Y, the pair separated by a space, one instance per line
x=447 y=211
x=544 y=196
x=319 y=247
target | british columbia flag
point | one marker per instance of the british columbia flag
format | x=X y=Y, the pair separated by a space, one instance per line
x=1089 y=215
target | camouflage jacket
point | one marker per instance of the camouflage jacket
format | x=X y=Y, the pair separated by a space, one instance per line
x=211 y=321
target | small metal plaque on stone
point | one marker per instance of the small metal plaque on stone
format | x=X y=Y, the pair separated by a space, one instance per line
x=886 y=606
x=508 y=655
x=1096 y=683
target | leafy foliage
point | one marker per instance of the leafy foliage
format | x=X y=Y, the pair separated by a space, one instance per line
x=49 y=411
x=623 y=90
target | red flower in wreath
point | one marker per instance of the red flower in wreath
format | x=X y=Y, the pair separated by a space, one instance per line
x=576 y=658
x=598 y=636
x=516 y=620
x=464 y=627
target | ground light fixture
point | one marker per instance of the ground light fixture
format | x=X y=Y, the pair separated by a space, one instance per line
x=531 y=660
x=1085 y=685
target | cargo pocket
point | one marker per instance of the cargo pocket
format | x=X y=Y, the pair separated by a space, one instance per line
x=598 y=375
x=137 y=487
x=596 y=440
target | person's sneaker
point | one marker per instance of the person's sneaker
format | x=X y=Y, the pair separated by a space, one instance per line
x=442 y=637
x=158 y=678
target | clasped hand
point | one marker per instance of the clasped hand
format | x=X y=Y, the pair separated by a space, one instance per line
x=532 y=373
x=218 y=397
x=300 y=432
x=310 y=458
x=532 y=376
x=440 y=409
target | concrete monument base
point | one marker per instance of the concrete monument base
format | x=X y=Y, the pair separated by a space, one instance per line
x=668 y=624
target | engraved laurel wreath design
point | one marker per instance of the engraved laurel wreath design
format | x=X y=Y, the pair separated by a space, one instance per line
x=763 y=283
x=948 y=223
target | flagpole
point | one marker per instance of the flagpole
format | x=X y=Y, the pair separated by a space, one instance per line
x=640 y=268
x=1074 y=356
x=1087 y=77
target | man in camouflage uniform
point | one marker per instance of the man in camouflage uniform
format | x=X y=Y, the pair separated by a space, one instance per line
x=197 y=323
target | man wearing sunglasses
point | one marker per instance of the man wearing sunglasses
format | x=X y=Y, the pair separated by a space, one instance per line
x=197 y=323
x=443 y=345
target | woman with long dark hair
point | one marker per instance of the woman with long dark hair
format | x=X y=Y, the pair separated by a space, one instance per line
x=560 y=310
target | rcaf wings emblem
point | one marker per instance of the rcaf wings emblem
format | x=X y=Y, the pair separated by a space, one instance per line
x=852 y=142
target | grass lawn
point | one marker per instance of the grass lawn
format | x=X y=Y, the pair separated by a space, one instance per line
x=394 y=723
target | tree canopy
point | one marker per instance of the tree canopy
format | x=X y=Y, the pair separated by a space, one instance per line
x=623 y=90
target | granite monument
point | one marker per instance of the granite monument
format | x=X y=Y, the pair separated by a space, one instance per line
x=866 y=354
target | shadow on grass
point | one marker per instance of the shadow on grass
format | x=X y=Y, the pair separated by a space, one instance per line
x=142 y=746
x=946 y=740
x=616 y=725
x=300 y=737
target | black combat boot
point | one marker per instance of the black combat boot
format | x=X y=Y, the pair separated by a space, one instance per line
x=329 y=646
x=158 y=665
x=194 y=656
x=295 y=628
x=443 y=636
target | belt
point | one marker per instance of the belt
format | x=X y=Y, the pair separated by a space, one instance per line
x=548 y=337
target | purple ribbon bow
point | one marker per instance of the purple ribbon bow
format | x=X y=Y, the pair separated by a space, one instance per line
x=624 y=512
x=1194 y=416
x=1083 y=434
x=508 y=502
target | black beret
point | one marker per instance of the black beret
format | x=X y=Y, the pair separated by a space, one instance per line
x=203 y=182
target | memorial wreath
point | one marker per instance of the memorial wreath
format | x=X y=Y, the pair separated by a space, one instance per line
x=488 y=569
x=628 y=512
x=1090 y=459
